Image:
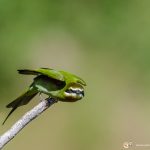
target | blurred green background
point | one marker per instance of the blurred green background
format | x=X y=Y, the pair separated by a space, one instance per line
x=107 y=43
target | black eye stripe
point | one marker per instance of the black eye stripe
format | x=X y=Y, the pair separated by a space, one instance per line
x=74 y=91
x=69 y=91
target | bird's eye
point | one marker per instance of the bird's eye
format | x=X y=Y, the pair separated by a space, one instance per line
x=69 y=91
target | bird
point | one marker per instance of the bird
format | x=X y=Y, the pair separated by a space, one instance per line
x=60 y=85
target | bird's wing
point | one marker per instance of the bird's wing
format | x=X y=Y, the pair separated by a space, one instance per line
x=21 y=100
x=44 y=71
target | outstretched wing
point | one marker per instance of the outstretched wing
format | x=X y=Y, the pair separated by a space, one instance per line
x=44 y=71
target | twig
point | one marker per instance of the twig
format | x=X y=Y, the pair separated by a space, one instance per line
x=21 y=123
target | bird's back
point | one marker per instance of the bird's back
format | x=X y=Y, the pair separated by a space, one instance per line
x=47 y=83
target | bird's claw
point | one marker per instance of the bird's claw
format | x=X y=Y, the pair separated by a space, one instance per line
x=51 y=100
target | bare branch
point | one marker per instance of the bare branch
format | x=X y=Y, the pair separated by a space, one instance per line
x=27 y=118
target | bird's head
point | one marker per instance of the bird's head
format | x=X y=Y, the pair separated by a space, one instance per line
x=74 y=92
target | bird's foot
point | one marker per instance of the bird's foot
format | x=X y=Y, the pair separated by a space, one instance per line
x=51 y=100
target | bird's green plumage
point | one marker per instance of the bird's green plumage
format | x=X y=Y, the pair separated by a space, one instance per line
x=44 y=71
x=60 y=85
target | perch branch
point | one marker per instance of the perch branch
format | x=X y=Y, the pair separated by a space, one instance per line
x=27 y=118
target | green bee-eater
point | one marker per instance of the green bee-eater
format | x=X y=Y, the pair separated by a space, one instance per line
x=60 y=85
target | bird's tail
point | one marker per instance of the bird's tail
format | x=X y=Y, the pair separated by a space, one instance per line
x=21 y=100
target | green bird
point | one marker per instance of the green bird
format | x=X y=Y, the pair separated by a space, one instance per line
x=60 y=85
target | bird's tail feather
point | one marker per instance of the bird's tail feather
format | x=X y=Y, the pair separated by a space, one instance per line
x=21 y=100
